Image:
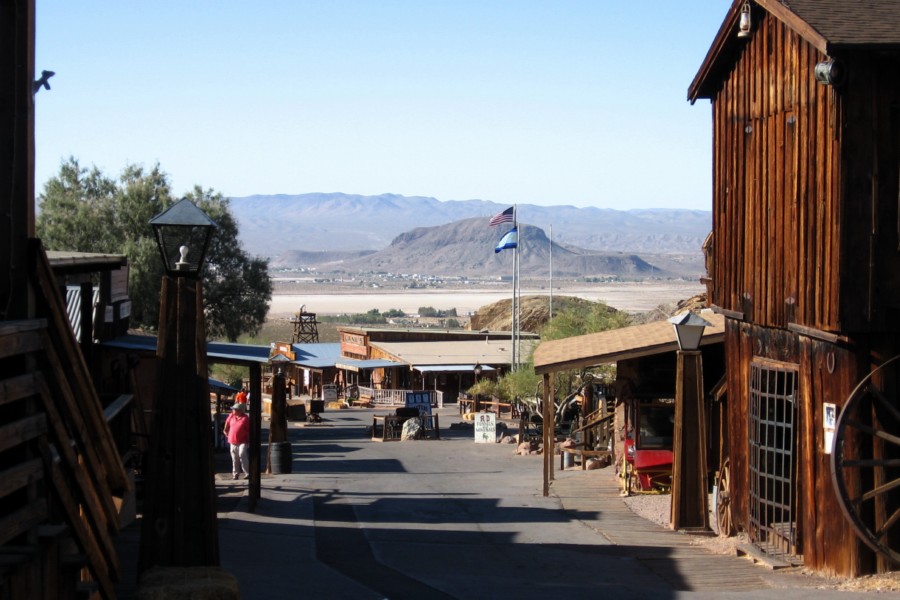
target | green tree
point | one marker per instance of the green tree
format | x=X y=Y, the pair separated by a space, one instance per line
x=578 y=319
x=83 y=210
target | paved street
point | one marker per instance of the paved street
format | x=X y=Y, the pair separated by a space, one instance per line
x=453 y=519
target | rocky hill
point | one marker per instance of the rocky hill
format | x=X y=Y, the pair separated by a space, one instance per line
x=534 y=312
x=275 y=225
x=466 y=248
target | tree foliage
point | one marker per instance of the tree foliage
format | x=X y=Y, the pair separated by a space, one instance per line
x=83 y=210
x=573 y=321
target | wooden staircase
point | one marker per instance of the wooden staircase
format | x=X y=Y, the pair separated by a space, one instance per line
x=62 y=479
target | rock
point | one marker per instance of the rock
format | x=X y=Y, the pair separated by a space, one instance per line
x=412 y=430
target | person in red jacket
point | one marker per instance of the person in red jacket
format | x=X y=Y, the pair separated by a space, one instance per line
x=237 y=432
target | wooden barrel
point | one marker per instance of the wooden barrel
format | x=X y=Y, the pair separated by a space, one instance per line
x=280 y=455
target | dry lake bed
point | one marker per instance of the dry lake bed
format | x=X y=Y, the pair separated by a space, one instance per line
x=632 y=297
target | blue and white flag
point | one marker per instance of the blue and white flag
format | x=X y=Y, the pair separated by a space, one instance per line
x=508 y=241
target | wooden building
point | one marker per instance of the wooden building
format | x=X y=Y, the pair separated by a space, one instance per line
x=804 y=262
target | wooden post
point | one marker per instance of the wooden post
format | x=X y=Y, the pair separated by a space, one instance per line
x=278 y=422
x=548 y=431
x=16 y=156
x=690 y=501
x=253 y=491
x=179 y=519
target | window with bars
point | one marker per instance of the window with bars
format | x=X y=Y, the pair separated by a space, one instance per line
x=773 y=413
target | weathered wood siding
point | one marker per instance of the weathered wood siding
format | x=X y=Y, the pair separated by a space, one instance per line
x=805 y=215
x=776 y=213
x=871 y=160
x=827 y=541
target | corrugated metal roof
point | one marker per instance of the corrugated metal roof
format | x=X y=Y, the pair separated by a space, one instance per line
x=617 y=344
x=316 y=356
x=243 y=353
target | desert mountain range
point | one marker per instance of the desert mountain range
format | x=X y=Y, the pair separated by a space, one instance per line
x=401 y=234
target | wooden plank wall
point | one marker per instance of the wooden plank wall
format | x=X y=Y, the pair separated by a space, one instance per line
x=871 y=169
x=827 y=541
x=776 y=217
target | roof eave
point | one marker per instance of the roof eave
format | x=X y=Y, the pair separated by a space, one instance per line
x=704 y=83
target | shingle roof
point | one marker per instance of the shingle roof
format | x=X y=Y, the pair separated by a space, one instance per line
x=831 y=26
x=849 y=22
x=617 y=344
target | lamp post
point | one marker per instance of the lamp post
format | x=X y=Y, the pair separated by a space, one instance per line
x=179 y=517
x=477 y=371
x=690 y=503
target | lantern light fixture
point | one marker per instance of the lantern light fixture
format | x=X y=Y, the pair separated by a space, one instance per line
x=183 y=233
x=744 y=23
x=689 y=327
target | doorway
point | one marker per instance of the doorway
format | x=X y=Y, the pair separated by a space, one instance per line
x=772 y=437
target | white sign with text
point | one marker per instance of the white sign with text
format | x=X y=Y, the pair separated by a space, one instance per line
x=485 y=428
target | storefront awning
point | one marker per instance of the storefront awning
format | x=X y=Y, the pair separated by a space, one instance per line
x=359 y=365
x=451 y=368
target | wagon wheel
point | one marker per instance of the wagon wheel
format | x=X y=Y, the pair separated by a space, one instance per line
x=865 y=460
x=723 y=500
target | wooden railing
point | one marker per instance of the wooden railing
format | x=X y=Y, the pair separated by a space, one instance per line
x=396 y=397
x=62 y=480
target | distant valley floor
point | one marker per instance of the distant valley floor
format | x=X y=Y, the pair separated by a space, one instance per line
x=633 y=297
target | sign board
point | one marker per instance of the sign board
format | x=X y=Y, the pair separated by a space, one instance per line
x=282 y=348
x=329 y=392
x=485 y=428
x=828 y=421
x=420 y=400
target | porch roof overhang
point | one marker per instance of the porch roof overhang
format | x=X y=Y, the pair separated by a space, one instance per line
x=220 y=352
x=618 y=344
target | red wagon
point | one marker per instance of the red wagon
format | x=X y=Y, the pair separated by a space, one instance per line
x=650 y=427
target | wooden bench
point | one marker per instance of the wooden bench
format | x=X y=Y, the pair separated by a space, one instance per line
x=584 y=454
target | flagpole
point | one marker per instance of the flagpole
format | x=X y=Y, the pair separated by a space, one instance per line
x=551 y=270
x=513 y=305
x=518 y=299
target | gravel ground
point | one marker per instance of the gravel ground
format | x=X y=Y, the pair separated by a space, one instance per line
x=655 y=507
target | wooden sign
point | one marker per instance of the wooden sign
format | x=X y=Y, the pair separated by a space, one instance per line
x=485 y=428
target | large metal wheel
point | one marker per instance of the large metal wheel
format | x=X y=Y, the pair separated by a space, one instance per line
x=865 y=460
x=723 y=501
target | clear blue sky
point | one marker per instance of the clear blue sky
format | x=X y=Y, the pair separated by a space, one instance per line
x=577 y=102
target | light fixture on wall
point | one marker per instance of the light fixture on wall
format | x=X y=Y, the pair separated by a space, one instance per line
x=744 y=23
x=830 y=72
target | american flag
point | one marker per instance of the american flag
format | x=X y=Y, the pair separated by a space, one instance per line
x=507 y=216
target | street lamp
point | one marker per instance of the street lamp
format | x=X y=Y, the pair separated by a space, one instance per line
x=689 y=328
x=477 y=371
x=179 y=518
x=183 y=233
x=690 y=503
